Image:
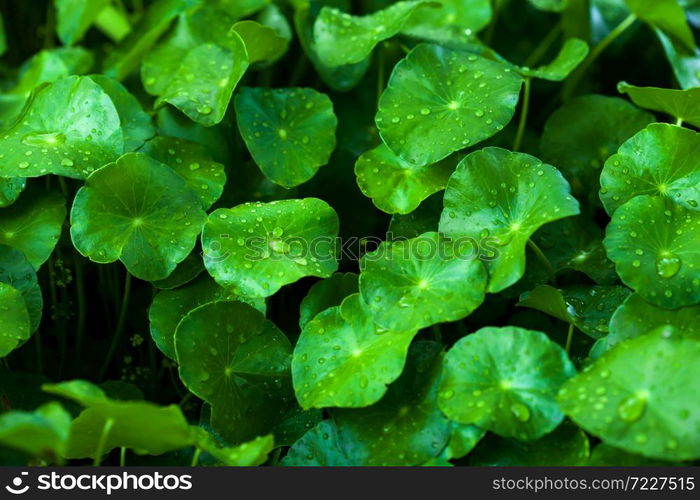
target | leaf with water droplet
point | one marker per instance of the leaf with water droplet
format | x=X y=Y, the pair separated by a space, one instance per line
x=139 y=211
x=506 y=196
x=319 y=447
x=455 y=23
x=653 y=243
x=326 y=293
x=290 y=132
x=10 y=189
x=247 y=381
x=505 y=380
x=429 y=78
x=355 y=374
x=641 y=396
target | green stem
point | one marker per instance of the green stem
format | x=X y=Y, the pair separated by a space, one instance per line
x=195 y=457
x=122 y=456
x=573 y=82
x=380 y=72
x=50 y=25
x=544 y=260
x=116 y=338
x=543 y=46
x=437 y=333
x=679 y=122
x=102 y=442
x=569 y=338
x=523 y=115
x=494 y=19
x=82 y=312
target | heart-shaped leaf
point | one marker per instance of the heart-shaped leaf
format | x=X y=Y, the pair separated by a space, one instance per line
x=256 y=248
x=326 y=293
x=505 y=380
x=423 y=281
x=395 y=185
x=14 y=319
x=238 y=362
x=659 y=160
x=505 y=197
x=439 y=101
x=197 y=67
x=342 y=38
x=42 y=433
x=70 y=128
x=263 y=43
x=571 y=54
x=193 y=162
x=17 y=272
x=290 y=132
x=344 y=359
x=642 y=403
x=653 y=243
x=139 y=211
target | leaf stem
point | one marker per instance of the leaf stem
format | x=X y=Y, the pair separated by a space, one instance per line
x=679 y=122
x=380 y=72
x=569 y=338
x=544 y=260
x=102 y=442
x=120 y=326
x=195 y=457
x=523 y=115
x=575 y=79
x=122 y=456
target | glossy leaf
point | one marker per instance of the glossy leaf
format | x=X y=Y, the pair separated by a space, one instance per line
x=74 y=17
x=463 y=439
x=454 y=20
x=329 y=292
x=681 y=104
x=10 y=189
x=319 y=447
x=17 y=272
x=263 y=43
x=571 y=54
x=667 y=15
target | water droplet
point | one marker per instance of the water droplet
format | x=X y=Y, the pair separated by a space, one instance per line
x=520 y=411
x=632 y=408
x=667 y=264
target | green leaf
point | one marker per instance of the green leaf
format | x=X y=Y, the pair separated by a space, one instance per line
x=454 y=20
x=550 y=5
x=509 y=384
x=635 y=317
x=319 y=447
x=641 y=403
x=127 y=57
x=423 y=281
x=17 y=272
x=10 y=189
x=395 y=185
x=263 y=43
x=686 y=65
x=571 y=54
x=289 y=132
x=42 y=433
x=423 y=219
x=295 y=423
x=139 y=211
x=249 y=454
x=326 y=293
x=405 y=427
x=240 y=8
x=139 y=425
x=70 y=128
x=608 y=456
x=136 y=123
x=256 y=248
x=342 y=38
x=238 y=362
x=583 y=133
x=14 y=320
x=567 y=446
x=74 y=17
x=668 y=16
x=463 y=439
x=439 y=101
x=653 y=243
x=186 y=271
x=33 y=224
x=505 y=197
x=193 y=162
x=681 y=104
x=659 y=160
x=354 y=365
x=197 y=67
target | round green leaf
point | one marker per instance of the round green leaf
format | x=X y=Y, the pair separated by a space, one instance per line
x=653 y=243
x=344 y=359
x=571 y=54
x=659 y=160
x=505 y=380
x=326 y=293
x=170 y=306
x=14 y=319
x=10 y=189
x=263 y=43
x=238 y=362
x=290 y=132
x=583 y=133
x=139 y=211
x=256 y=248
x=454 y=20
x=16 y=271
x=439 y=101
x=193 y=162
x=505 y=197
x=681 y=104
x=642 y=396
x=33 y=224
x=636 y=317
x=395 y=185
x=136 y=123
x=342 y=38
x=405 y=427
x=295 y=423
x=420 y=282
x=186 y=271
x=70 y=128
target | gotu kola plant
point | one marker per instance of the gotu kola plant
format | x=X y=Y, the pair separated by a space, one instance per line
x=324 y=232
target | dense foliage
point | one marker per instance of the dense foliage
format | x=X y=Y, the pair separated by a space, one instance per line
x=334 y=232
